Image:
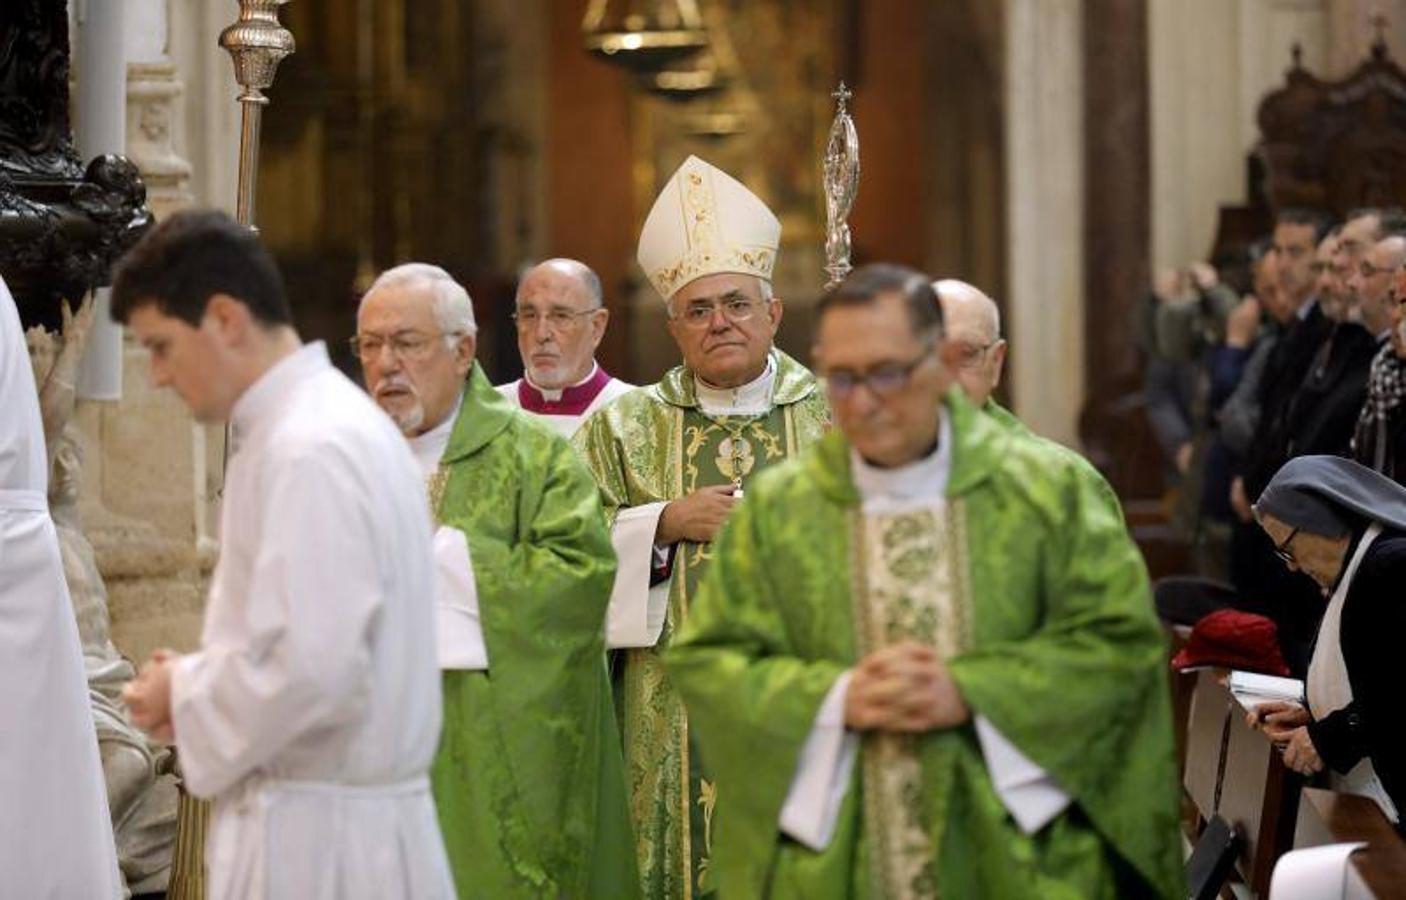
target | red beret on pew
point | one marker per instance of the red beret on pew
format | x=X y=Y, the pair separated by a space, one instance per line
x=1234 y=640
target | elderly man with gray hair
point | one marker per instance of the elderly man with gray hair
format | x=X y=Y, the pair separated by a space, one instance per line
x=528 y=779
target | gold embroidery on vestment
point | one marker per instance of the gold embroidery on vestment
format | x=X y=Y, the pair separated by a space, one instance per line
x=909 y=582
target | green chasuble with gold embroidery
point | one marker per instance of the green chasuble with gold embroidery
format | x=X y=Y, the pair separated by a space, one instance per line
x=655 y=444
x=1025 y=580
x=528 y=780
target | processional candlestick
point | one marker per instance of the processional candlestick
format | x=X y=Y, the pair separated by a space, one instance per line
x=257 y=44
x=841 y=187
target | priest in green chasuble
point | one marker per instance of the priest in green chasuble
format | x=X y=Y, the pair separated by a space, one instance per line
x=925 y=660
x=672 y=460
x=528 y=778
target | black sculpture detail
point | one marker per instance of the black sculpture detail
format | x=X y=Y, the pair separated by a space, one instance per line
x=61 y=226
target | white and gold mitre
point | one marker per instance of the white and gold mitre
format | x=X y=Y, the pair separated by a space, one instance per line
x=705 y=222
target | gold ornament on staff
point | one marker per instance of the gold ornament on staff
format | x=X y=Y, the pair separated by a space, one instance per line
x=841 y=187
x=257 y=44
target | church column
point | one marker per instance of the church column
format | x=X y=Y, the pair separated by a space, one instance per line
x=1044 y=221
x=1116 y=190
x=1117 y=242
x=99 y=129
x=153 y=92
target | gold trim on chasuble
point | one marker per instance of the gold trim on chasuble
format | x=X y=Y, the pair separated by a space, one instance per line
x=686 y=445
x=434 y=490
x=910 y=582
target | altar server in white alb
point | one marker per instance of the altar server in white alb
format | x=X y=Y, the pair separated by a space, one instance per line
x=561 y=318
x=55 y=830
x=311 y=710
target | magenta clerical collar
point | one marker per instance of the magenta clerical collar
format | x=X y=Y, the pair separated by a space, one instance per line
x=574 y=400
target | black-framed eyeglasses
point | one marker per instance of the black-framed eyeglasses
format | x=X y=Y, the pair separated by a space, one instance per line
x=883 y=380
x=1282 y=550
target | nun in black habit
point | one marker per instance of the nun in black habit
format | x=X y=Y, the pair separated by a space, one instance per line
x=1344 y=526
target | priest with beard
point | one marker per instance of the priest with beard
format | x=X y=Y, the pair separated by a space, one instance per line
x=561 y=318
x=528 y=779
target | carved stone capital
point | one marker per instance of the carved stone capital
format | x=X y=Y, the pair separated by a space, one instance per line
x=153 y=95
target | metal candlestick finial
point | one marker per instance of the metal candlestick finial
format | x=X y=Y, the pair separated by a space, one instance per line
x=841 y=187
x=257 y=43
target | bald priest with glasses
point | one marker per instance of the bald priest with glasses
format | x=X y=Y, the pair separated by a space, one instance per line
x=561 y=317
x=672 y=460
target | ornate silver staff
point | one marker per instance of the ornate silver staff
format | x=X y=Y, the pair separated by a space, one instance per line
x=841 y=187
x=257 y=44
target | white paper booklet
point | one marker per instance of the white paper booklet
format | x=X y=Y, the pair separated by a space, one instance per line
x=1252 y=689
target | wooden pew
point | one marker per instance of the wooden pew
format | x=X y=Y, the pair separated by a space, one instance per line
x=1205 y=744
x=1377 y=870
x=1259 y=795
x=1237 y=773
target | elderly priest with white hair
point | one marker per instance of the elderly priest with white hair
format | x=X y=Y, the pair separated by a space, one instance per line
x=561 y=318
x=528 y=779
x=672 y=460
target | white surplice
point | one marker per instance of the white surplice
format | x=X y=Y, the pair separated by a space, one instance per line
x=635 y=616
x=312 y=709
x=812 y=804
x=55 y=828
x=458 y=623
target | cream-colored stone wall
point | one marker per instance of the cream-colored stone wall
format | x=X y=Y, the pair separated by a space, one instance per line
x=1211 y=63
x=1045 y=199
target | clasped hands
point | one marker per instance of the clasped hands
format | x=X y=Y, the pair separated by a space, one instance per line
x=148 y=697
x=1286 y=724
x=904 y=687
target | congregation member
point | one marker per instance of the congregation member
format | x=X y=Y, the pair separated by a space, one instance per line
x=925 y=660
x=561 y=318
x=1297 y=234
x=1184 y=315
x=1255 y=574
x=1379 y=440
x=1344 y=527
x=55 y=831
x=311 y=711
x=672 y=460
x=528 y=778
x=1370 y=286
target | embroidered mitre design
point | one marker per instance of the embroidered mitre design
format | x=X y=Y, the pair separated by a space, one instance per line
x=705 y=222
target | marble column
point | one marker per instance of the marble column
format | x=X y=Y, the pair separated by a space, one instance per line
x=1045 y=212
x=100 y=129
